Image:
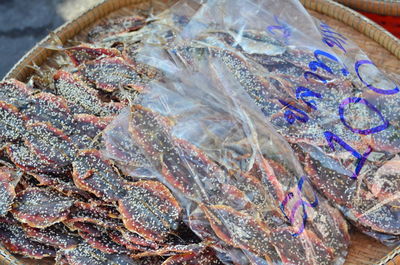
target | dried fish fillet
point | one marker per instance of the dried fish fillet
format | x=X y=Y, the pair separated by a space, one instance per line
x=56 y=236
x=96 y=175
x=150 y=210
x=40 y=208
x=14 y=239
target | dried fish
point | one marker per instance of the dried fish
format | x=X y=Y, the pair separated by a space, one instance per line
x=9 y=179
x=56 y=236
x=96 y=175
x=84 y=53
x=150 y=210
x=111 y=74
x=41 y=208
x=13 y=237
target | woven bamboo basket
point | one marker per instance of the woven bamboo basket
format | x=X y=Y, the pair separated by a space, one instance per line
x=382 y=7
x=382 y=47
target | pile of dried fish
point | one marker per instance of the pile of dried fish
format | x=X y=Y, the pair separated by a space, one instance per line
x=149 y=144
x=60 y=197
x=334 y=107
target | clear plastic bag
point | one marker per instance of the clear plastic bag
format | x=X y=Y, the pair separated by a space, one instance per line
x=258 y=100
x=242 y=187
x=317 y=88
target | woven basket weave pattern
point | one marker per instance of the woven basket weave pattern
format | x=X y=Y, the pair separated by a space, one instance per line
x=382 y=7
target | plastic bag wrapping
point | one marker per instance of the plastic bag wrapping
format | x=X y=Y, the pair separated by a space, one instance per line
x=339 y=112
x=244 y=191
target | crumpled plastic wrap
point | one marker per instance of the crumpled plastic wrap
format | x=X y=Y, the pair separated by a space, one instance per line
x=244 y=191
x=257 y=101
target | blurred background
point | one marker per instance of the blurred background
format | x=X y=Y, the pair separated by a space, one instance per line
x=25 y=22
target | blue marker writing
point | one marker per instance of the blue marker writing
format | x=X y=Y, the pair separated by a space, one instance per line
x=296 y=206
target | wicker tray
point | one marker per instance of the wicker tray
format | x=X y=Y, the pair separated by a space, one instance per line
x=382 y=7
x=382 y=47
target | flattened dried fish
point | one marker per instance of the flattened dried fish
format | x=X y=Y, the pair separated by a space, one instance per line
x=39 y=207
x=96 y=175
x=150 y=210
x=9 y=179
x=84 y=53
x=56 y=236
x=111 y=74
x=14 y=239
x=85 y=254
x=12 y=122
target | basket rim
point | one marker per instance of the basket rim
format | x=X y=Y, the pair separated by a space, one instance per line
x=381 y=7
x=37 y=55
x=357 y=21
